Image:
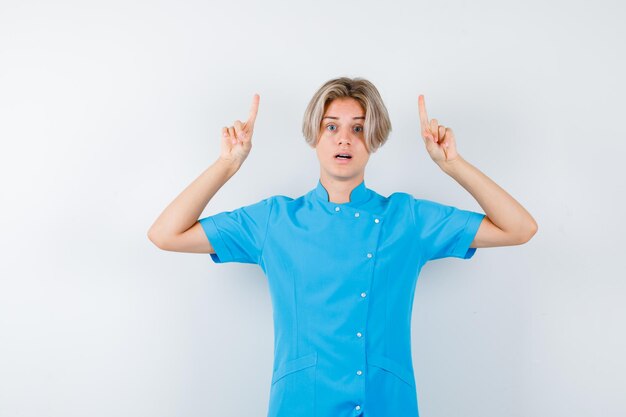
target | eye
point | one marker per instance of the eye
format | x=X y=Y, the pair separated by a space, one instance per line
x=328 y=126
x=358 y=127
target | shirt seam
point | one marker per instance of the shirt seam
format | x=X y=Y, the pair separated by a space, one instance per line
x=412 y=206
x=416 y=231
x=266 y=230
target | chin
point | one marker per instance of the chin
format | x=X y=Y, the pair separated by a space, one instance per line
x=345 y=173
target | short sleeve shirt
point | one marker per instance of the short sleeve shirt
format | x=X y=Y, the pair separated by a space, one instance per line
x=342 y=278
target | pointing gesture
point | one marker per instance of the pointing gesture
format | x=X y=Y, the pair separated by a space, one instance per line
x=237 y=139
x=439 y=140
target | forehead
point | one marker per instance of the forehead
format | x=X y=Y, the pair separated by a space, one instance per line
x=344 y=105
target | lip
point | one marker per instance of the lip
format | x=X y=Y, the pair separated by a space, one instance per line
x=342 y=161
x=345 y=153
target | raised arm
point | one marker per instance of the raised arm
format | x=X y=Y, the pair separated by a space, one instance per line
x=177 y=228
x=506 y=221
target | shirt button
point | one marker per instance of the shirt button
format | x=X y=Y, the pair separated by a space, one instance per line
x=363 y=294
x=358 y=334
x=337 y=209
x=356 y=214
x=359 y=372
x=376 y=220
x=358 y=407
x=369 y=255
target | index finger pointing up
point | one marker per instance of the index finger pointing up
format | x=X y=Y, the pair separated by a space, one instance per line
x=423 y=114
x=253 y=109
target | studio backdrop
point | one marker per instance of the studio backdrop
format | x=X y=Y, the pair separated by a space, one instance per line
x=108 y=109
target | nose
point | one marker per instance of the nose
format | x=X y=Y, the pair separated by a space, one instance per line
x=343 y=140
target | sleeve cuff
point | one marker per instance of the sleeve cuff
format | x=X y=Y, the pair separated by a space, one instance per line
x=462 y=249
x=222 y=254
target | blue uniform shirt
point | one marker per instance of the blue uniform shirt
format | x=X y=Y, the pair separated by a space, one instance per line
x=342 y=280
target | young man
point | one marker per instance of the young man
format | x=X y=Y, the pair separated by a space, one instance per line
x=341 y=260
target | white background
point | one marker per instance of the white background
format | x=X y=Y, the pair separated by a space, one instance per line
x=109 y=109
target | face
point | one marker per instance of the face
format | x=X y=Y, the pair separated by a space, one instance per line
x=341 y=131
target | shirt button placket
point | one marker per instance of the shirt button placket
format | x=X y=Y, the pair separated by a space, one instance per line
x=359 y=372
x=358 y=409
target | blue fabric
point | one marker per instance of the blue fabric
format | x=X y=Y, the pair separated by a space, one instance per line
x=342 y=280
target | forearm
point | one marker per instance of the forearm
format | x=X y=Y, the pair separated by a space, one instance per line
x=186 y=208
x=501 y=208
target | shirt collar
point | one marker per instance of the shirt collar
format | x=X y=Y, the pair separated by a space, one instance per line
x=358 y=195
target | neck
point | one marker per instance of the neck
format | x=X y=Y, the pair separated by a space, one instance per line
x=339 y=189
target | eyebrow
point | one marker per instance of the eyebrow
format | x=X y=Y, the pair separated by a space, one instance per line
x=333 y=117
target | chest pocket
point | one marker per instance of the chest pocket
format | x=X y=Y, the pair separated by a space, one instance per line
x=292 y=392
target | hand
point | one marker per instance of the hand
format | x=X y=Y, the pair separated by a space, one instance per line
x=439 y=140
x=237 y=139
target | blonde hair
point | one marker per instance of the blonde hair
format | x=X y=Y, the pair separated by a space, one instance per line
x=377 y=125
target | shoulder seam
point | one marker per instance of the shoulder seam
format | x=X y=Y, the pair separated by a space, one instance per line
x=422 y=259
x=266 y=229
x=412 y=209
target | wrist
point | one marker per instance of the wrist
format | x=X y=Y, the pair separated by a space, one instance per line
x=451 y=165
x=231 y=166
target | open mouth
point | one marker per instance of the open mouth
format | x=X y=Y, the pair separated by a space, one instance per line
x=343 y=156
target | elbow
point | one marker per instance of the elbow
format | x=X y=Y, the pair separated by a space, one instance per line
x=530 y=231
x=152 y=238
x=155 y=239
